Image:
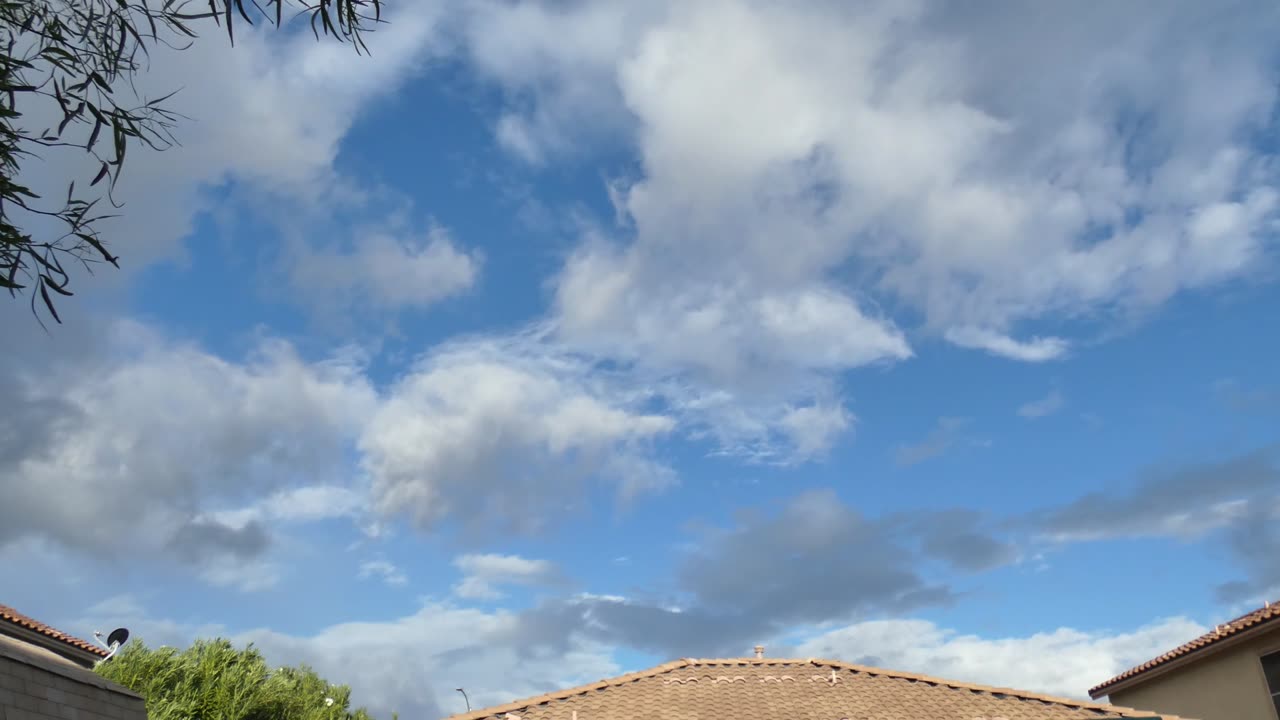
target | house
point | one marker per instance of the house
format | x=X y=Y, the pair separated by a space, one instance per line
x=46 y=674
x=777 y=689
x=1230 y=673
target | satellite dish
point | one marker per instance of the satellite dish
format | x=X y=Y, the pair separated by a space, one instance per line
x=118 y=637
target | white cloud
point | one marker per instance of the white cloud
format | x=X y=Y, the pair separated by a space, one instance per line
x=1037 y=349
x=794 y=153
x=1047 y=405
x=300 y=504
x=1064 y=662
x=505 y=431
x=813 y=429
x=387 y=272
x=384 y=570
x=129 y=611
x=484 y=573
x=410 y=665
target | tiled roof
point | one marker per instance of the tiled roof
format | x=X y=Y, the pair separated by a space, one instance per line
x=11 y=616
x=779 y=689
x=1264 y=614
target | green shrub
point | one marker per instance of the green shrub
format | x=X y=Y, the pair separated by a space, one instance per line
x=212 y=680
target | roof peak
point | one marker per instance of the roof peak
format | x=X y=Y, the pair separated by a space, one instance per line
x=835 y=666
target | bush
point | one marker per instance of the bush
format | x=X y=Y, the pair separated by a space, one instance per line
x=212 y=680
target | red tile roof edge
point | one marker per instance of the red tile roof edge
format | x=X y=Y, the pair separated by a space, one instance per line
x=499 y=710
x=1249 y=620
x=8 y=614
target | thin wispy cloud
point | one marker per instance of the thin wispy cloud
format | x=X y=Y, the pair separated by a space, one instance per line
x=1047 y=405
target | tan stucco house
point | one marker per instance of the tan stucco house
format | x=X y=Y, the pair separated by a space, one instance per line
x=46 y=674
x=1231 y=673
x=778 y=689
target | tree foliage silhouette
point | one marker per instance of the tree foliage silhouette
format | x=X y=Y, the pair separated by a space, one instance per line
x=67 y=70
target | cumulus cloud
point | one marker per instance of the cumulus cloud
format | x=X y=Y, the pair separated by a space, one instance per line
x=484 y=574
x=203 y=459
x=797 y=159
x=153 y=436
x=1065 y=662
x=813 y=429
x=506 y=431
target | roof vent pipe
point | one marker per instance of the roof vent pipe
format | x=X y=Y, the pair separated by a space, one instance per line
x=759 y=651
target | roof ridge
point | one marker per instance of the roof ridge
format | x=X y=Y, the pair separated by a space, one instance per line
x=13 y=616
x=954 y=684
x=570 y=692
x=664 y=668
x=1267 y=613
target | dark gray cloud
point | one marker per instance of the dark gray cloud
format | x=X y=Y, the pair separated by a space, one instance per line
x=203 y=539
x=963 y=540
x=813 y=560
x=1235 y=501
x=1183 y=501
x=1255 y=543
x=817 y=559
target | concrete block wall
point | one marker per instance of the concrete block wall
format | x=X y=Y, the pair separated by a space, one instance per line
x=29 y=692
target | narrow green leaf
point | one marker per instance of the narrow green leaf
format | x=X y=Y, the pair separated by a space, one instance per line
x=48 y=282
x=97 y=245
x=243 y=14
x=93 y=136
x=97 y=80
x=96 y=113
x=48 y=303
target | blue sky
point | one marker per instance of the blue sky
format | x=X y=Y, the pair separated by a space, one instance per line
x=556 y=340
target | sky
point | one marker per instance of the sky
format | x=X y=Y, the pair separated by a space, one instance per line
x=555 y=340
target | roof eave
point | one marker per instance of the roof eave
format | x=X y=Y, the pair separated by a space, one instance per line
x=1108 y=688
x=75 y=654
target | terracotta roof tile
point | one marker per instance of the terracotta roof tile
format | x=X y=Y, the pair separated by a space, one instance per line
x=9 y=615
x=782 y=689
x=1264 y=614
